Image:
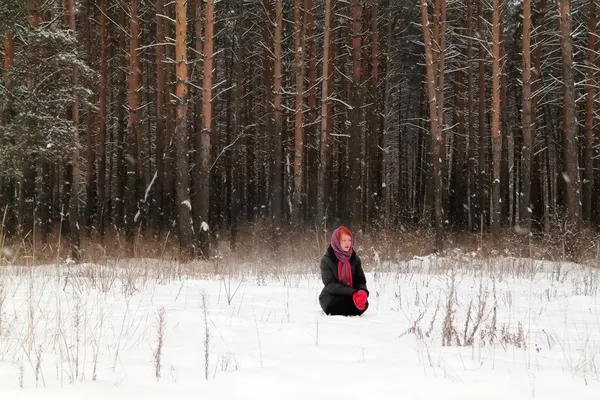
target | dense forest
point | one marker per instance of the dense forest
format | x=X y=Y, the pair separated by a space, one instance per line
x=203 y=116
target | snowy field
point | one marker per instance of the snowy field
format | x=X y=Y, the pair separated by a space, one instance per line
x=435 y=329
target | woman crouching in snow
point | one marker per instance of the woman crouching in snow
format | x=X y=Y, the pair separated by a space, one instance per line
x=345 y=291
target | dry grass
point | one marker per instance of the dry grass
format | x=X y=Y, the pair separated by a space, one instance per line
x=299 y=245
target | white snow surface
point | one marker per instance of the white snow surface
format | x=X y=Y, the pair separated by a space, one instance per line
x=272 y=341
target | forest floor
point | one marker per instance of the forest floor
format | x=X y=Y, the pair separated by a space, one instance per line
x=457 y=327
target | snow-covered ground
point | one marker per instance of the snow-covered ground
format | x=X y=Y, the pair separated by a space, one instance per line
x=93 y=332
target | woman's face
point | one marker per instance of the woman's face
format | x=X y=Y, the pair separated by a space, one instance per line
x=346 y=242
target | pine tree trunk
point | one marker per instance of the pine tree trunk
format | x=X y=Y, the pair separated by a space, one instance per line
x=197 y=174
x=482 y=167
x=588 y=154
x=355 y=160
x=472 y=163
x=373 y=137
x=91 y=188
x=27 y=199
x=495 y=128
x=276 y=169
x=237 y=166
x=541 y=204
x=184 y=219
x=7 y=194
x=325 y=142
x=570 y=172
x=299 y=44
x=439 y=142
x=311 y=131
x=74 y=233
x=526 y=150
x=102 y=203
x=134 y=161
x=121 y=164
x=161 y=77
x=432 y=81
x=506 y=156
x=459 y=172
x=389 y=157
x=205 y=149
x=169 y=190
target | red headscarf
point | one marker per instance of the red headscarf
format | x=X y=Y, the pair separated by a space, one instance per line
x=344 y=269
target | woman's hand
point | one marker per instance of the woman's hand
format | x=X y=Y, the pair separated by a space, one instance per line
x=360 y=299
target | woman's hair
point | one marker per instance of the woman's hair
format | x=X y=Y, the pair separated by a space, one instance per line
x=343 y=231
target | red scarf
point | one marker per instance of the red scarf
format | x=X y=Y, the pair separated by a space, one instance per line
x=345 y=273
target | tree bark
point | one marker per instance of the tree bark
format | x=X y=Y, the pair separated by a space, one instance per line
x=184 y=207
x=495 y=126
x=133 y=124
x=91 y=187
x=325 y=142
x=205 y=140
x=276 y=169
x=472 y=163
x=374 y=139
x=299 y=50
x=311 y=131
x=161 y=83
x=198 y=122
x=588 y=154
x=390 y=158
x=121 y=176
x=102 y=117
x=436 y=139
x=524 y=224
x=355 y=158
x=570 y=172
x=74 y=233
x=482 y=172
x=8 y=211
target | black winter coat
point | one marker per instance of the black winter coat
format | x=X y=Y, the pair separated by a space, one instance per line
x=333 y=286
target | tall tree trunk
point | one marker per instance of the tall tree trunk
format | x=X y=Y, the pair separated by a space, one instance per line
x=374 y=138
x=8 y=211
x=299 y=44
x=588 y=154
x=436 y=138
x=325 y=142
x=276 y=172
x=496 y=211
x=355 y=159
x=311 y=131
x=507 y=155
x=570 y=173
x=390 y=158
x=91 y=188
x=237 y=167
x=439 y=152
x=133 y=123
x=526 y=151
x=102 y=117
x=74 y=236
x=472 y=163
x=161 y=83
x=483 y=179
x=183 y=191
x=197 y=174
x=121 y=176
x=205 y=149
x=459 y=172
x=540 y=169
x=27 y=199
